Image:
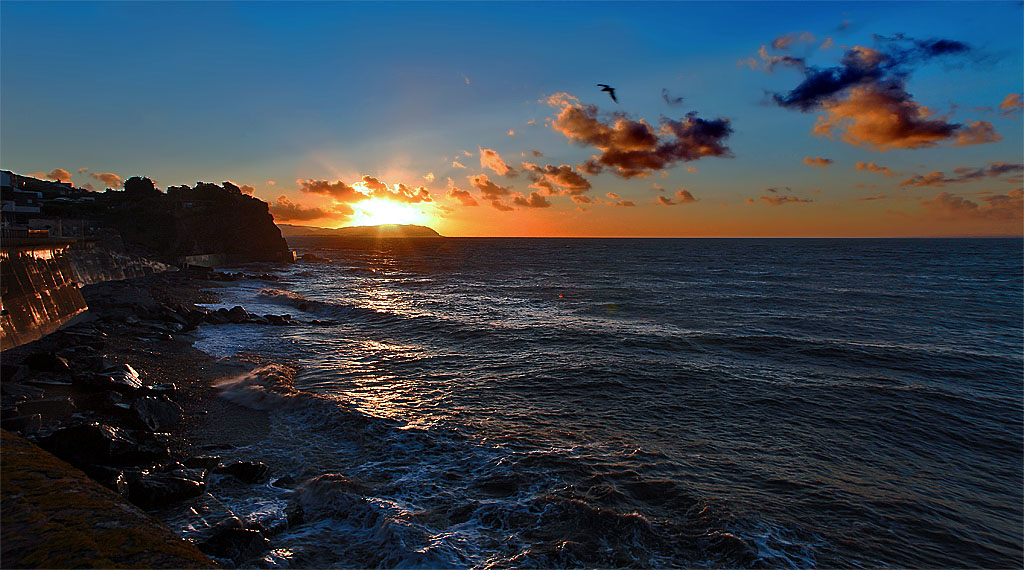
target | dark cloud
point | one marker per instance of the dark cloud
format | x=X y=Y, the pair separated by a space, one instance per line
x=872 y=167
x=109 y=178
x=674 y=101
x=963 y=174
x=590 y=167
x=489 y=158
x=1009 y=206
x=780 y=199
x=338 y=190
x=373 y=184
x=869 y=198
x=536 y=153
x=866 y=101
x=634 y=148
x=582 y=199
x=285 y=210
x=59 y=174
x=489 y=190
x=463 y=196
x=663 y=201
x=498 y=205
x=817 y=161
x=534 y=201
x=407 y=194
x=556 y=180
x=683 y=196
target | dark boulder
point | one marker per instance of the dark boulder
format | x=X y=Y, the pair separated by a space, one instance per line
x=248 y=471
x=157 y=412
x=234 y=543
x=151 y=490
x=121 y=377
x=93 y=443
x=237 y=315
x=22 y=425
x=203 y=461
x=47 y=407
x=47 y=362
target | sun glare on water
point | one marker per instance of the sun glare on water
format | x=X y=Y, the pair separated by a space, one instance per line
x=376 y=212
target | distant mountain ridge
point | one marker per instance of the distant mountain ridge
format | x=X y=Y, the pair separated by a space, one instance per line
x=381 y=231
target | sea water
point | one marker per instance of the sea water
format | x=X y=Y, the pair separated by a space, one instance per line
x=497 y=403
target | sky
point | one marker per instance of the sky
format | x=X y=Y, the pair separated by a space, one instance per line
x=486 y=119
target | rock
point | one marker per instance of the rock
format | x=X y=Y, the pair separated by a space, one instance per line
x=152 y=490
x=93 y=443
x=110 y=477
x=22 y=425
x=237 y=315
x=47 y=407
x=234 y=543
x=203 y=461
x=157 y=412
x=121 y=377
x=168 y=389
x=278 y=320
x=47 y=362
x=286 y=482
x=12 y=373
x=248 y=471
x=217 y=318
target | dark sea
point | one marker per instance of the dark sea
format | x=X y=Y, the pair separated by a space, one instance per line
x=552 y=403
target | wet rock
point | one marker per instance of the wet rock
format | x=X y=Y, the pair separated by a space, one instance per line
x=152 y=490
x=110 y=477
x=12 y=373
x=237 y=315
x=203 y=461
x=47 y=362
x=23 y=425
x=217 y=318
x=233 y=543
x=94 y=443
x=157 y=412
x=278 y=320
x=121 y=377
x=248 y=471
x=168 y=389
x=286 y=482
x=47 y=407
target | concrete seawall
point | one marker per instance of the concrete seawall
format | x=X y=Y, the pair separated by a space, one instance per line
x=39 y=284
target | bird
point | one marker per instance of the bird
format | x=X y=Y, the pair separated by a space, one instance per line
x=610 y=90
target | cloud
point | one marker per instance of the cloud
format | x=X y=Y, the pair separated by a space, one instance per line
x=489 y=190
x=683 y=196
x=466 y=153
x=536 y=153
x=457 y=164
x=786 y=40
x=582 y=199
x=511 y=132
x=555 y=180
x=779 y=199
x=60 y=175
x=429 y=177
x=963 y=174
x=872 y=167
x=665 y=201
x=466 y=77
x=338 y=190
x=284 y=210
x=614 y=200
x=489 y=158
x=498 y=205
x=865 y=100
x=534 y=201
x=531 y=122
x=827 y=44
x=271 y=182
x=634 y=148
x=869 y=198
x=1011 y=105
x=674 y=101
x=818 y=162
x=1007 y=206
x=88 y=186
x=407 y=194
x=109 y=178
x=243 y=188
x=83 y=169
x=769 y=62
x=463 y=196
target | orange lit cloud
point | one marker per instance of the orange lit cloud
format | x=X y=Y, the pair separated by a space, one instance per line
x=1007 y=206
x=556 y=180
x=963 y=174
x=534 y=201
x=581 y=199
x=83 y=169
x=489 y=158
x=109 y=178
x=786 y=40
x=1011 y=105
x=614 y=200
x=338 y=190
x=365 y=188
x=498 y=205
x=429 y=177
x=457 y=164
x=59 y=174
x=977 y=132
x=869 y=198
x=818 y=162
x=271 y=182
x=463 y=196
x=511 y=132
x=872 y=167
x=489 y=190
x=634 y=148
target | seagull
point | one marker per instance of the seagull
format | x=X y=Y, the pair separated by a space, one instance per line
x=610 y=90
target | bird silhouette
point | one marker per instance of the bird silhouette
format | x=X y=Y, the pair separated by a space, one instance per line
x=610 y=90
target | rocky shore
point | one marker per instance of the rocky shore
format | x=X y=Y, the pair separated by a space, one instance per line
x=123 y=396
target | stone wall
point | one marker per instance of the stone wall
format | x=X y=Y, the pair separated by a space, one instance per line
x=38 y=293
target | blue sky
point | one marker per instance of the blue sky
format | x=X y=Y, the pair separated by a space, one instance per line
x=258 y=92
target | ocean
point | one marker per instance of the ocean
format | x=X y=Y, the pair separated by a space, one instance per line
x=522 y=403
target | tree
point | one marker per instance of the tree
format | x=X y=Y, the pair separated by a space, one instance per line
x=140 y=187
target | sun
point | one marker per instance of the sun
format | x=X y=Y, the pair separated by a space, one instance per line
x=379 y=211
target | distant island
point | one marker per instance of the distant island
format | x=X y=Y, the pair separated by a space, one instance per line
x=381 y=231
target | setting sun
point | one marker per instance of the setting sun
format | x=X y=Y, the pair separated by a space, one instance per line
x=380 y=211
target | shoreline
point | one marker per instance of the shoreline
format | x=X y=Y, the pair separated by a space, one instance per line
x=58 y=388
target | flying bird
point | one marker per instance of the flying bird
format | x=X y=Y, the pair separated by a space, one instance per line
x=610 y=90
